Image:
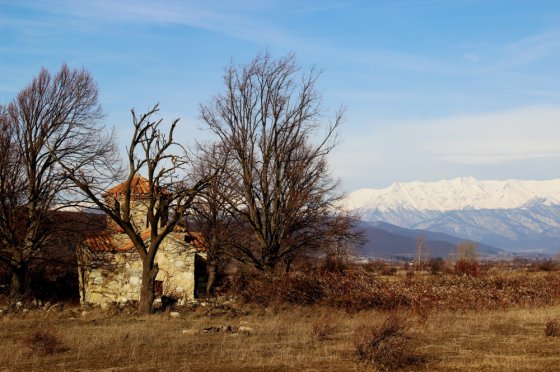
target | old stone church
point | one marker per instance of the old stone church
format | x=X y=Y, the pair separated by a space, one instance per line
x=110 y=269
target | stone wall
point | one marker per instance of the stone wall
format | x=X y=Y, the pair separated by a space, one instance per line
x=118 y=277
x=138 y=212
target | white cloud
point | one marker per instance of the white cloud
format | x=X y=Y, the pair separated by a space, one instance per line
x=524 y=133
x=517 y=143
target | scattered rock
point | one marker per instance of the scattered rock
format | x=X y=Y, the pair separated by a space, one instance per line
x=157 y=304
x=222 y=329
x=203 y=304
x=211 y=329
x=245 y=329
x=174 y=314
x=189 y=332
x=19 y=304
x=85 y=313
x=25 y=311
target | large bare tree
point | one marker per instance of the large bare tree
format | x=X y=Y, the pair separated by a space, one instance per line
x=56 y=117
x=269 y=120
x=170 y=193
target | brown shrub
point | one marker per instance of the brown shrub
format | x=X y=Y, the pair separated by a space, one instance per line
x=374 y=266
x=267 y=288
x=387 y=346
x=46 y=342
x=436 y=265
x=357 y=290
x=334 y=263
x=545 y=265
x=467 y=267
x=552 y=329
x=388 y=271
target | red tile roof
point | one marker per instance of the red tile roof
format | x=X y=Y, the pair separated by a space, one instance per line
x=138 y=186
x=106 y=243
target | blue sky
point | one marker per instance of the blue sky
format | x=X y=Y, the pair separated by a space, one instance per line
x=433 y=89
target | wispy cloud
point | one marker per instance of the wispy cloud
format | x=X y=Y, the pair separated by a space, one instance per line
x=533 y=47
x=212 y=16
x=523 y=133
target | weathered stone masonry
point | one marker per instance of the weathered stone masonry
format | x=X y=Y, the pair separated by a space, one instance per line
x=110 y=269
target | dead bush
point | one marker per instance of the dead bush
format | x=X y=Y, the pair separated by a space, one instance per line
x=552 y=329
x=357 y=290
x=467 y=267
x=387 y=346
x=436 y=265
x=334 y=263
x=545 y=265
x=268 y=288
x=388 y=271
x=45 y=341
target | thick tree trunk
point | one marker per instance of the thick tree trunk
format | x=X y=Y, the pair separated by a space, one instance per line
x=147 y=295
x=18 y=280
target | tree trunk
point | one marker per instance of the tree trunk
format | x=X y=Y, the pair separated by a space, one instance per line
x=147 y=295
x=212 y=272
x=288 y=265
x=18 y=281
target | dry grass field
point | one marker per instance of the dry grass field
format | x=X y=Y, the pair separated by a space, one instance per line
x=281 y=338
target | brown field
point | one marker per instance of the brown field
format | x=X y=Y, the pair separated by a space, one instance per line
x=283 y=337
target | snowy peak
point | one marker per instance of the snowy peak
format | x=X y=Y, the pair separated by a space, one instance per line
x=456 y=194
x=513 y=215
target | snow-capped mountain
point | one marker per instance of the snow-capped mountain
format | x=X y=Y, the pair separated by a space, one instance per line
x=512 y=214
x=455 y=194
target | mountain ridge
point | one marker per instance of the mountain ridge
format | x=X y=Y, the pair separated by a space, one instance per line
x=514 y=215
x=455 y=194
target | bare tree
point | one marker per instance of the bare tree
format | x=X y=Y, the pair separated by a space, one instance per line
x=53 y=118
x=467 y=251
x=420 y=251
x=210 y=214
x=268 y=120
x=168 y=196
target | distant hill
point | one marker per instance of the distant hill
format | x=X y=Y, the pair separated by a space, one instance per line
x=385 y=240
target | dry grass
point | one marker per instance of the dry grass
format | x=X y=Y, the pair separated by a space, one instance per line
x=277 y=340
x=311 y=321
x=323 y=327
